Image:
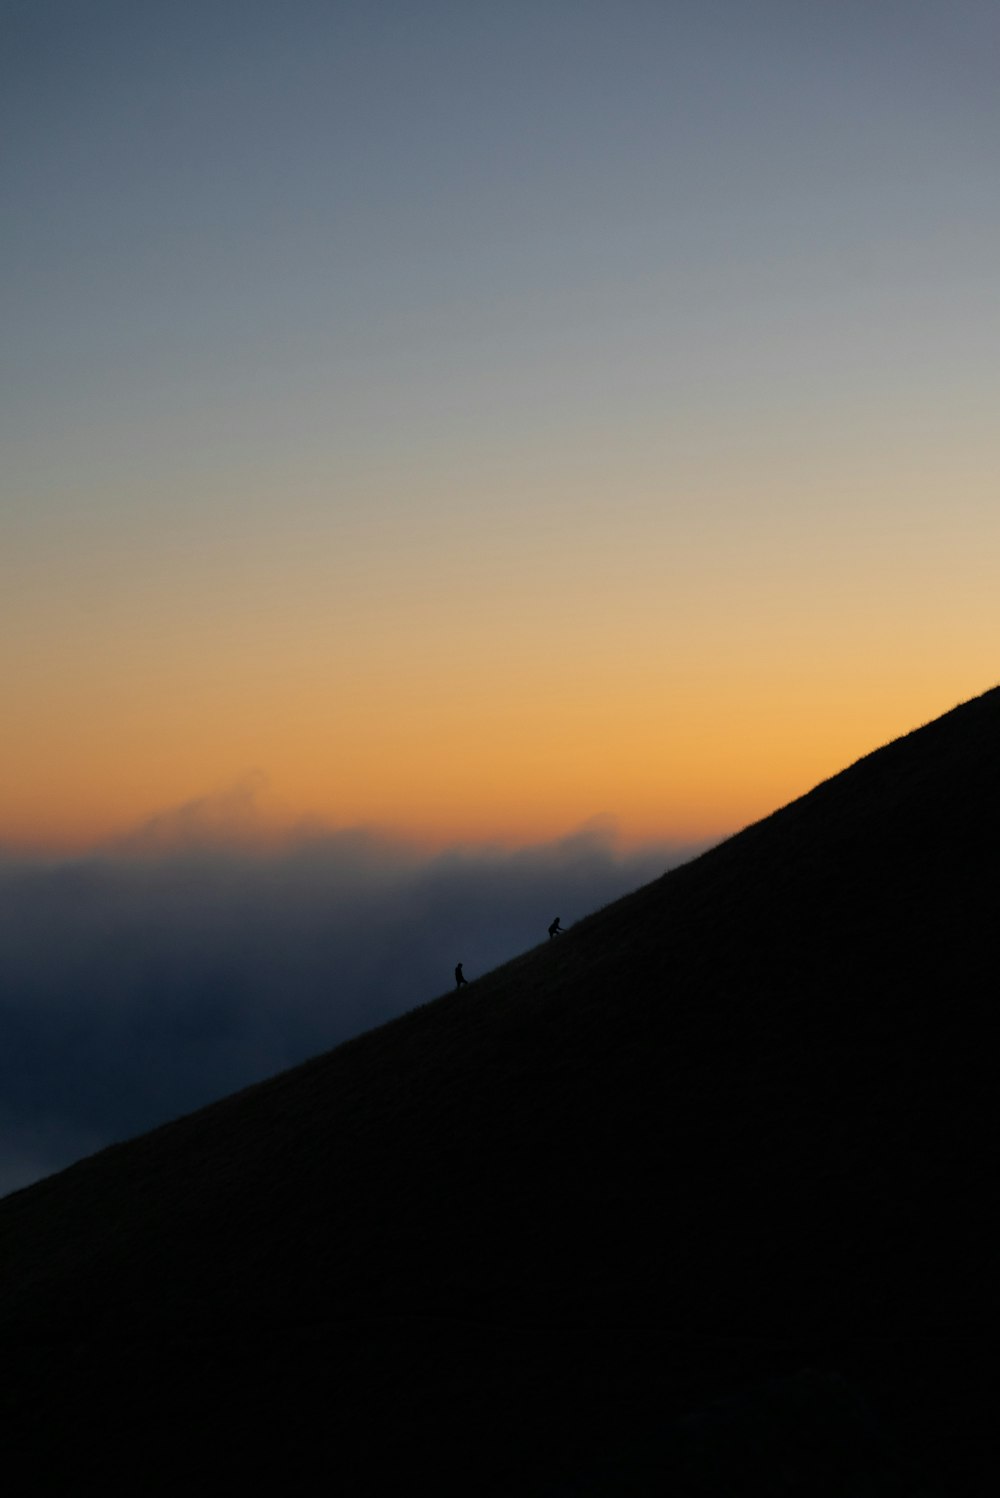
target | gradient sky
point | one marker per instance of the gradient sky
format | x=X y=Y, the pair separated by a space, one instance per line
x=470 y=419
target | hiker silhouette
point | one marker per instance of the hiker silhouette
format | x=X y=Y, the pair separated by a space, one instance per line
x=461 y=981
x=555 y=929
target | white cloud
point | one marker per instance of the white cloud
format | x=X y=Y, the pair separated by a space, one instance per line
x=190 y=960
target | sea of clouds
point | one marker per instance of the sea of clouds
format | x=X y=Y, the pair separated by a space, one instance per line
x=190 y=959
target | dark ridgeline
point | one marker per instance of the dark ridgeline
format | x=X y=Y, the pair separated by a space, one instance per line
x=551 y=1237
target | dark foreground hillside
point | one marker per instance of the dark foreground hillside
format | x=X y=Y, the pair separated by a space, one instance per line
x=699 y=1196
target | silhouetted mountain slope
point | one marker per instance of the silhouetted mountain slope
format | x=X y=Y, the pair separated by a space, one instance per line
x=752 y=1101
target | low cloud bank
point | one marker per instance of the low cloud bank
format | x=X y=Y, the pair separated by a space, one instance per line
x=145 y=981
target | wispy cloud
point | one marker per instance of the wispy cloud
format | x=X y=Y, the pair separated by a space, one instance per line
x=193 y=958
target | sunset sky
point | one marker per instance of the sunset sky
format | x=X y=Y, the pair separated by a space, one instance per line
x=469 y=420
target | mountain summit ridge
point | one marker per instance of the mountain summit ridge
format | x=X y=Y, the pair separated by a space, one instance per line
x=752 y=1100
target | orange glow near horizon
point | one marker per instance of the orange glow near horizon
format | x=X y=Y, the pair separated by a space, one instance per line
x=517 y=763
x=481 y=682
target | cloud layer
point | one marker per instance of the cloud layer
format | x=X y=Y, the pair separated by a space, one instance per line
x=186 y=962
